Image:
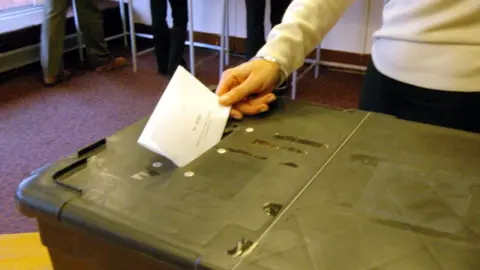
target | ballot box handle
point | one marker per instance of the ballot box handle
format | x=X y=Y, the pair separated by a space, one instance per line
x=81 y=161
x=92 y=148
x=68 y=170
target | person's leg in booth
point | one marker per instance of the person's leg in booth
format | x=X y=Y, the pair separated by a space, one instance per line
x=53 y=35
x=161 y=34
x=91 y=23
x=169 y=44
x=256 y=22
x=278 y=9
x=255 y=27
x=178 y=34
x=52 y=41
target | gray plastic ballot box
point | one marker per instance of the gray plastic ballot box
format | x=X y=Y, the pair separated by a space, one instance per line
x=304 y=187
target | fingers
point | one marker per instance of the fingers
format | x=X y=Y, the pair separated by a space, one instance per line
x=256 y=105
x=247 y=109
x=235 y=114
x=238 y=92
x=238 y=84
x=263 y=98
x=253 y=106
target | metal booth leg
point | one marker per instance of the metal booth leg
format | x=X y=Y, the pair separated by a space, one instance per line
x=132 y=35
x=221 y=66
x=79 y=31
x=227 y=32
x=294 y=84
x=190 y=37
x=124 y=22
x=317 y=61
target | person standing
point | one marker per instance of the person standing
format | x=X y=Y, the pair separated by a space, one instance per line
x=53 y=36
x=425 y=64
x=169 y=43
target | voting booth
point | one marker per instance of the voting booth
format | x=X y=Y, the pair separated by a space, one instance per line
x=301 y=187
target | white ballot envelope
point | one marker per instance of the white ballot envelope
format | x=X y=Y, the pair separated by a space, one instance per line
x=187 y=121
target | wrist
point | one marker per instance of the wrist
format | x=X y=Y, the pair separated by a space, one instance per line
x=282 y=75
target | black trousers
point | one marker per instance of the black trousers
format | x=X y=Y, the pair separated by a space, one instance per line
x=458 y=110
x=169 y=43
x=256 y=19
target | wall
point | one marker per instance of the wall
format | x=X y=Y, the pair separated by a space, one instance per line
x=374 y=22
x=351 y=34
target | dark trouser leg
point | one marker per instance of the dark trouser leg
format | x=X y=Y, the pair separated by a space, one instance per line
x=52 y=36
x=457 y=110
x=255 y=26
x=161 y=33
x=278 y=9
x=91 y=23
x=178 y=34
x=377 y=92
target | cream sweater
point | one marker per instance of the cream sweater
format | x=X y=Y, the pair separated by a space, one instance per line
x=428 y=43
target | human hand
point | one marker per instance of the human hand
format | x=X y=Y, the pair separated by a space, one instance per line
x=248 y=87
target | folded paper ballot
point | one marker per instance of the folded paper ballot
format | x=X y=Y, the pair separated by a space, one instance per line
x=187 y=121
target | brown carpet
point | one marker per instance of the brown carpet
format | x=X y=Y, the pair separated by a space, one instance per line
x=38 y=124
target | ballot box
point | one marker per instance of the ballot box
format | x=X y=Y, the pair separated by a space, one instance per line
x=303 y=187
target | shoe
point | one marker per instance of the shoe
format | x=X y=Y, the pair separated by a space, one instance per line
x=163 y=72
x=54 y=80
x=114 y=64
x=172 y=70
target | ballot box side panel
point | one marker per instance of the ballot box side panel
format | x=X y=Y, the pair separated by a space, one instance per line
x=71 y=248
x=398 y=195
x=200 y=213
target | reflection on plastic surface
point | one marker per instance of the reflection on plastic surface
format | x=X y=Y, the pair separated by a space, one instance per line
x=242 y=246
x=425 y=202
x=272 y=209
x=290 y=164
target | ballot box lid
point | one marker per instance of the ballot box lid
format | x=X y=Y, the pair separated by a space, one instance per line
x=397 y=195
x=305 y=187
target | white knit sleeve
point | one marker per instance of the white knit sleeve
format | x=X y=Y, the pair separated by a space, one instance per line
x=304 y=25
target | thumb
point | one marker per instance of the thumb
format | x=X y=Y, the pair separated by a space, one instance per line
x=228 y=81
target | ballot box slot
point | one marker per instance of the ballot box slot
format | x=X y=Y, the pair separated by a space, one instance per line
x=240 y=152
x=240 y=248
x=92 y=148
x=68 y=171
x=265 y=143
x=297 y=140
x=229 y=129
x=248 y=154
